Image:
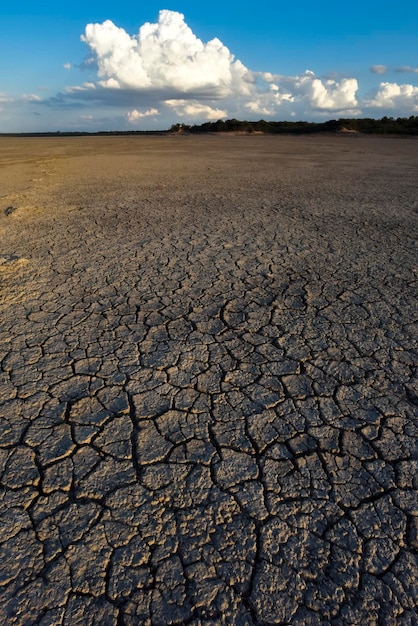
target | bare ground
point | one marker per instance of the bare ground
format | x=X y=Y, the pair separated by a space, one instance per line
x=208 y=380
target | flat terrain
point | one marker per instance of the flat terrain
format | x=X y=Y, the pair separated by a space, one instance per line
x=208 y=381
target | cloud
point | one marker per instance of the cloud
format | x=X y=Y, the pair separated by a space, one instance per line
x=31 y=97
x=268 y=77
x=84 y=87
x=378 y=69
x=168 y=68
x=165 y=72
x=165 y=55
x=328 y=95
x=393 y=96
x=135 y=115
x=266 y=103
x=258 y=107
x=406 y=69
x=195 y=109
x=4 y=98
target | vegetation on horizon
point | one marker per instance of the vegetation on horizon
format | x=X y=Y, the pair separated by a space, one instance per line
x=384 y=126
x=368 y=126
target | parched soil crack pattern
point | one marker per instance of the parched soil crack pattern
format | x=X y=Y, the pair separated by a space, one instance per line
x=209 y=391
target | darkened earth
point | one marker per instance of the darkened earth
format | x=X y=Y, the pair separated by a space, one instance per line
x=208 y=381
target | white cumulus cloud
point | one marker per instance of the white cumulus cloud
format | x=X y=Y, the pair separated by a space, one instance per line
x=165 y=71
x=259 y=108
x=165 y=55
x=327 y=95
x=135 y=115
x=394 y=96
x=195 y=109
x=266 y=104
x=167 y=67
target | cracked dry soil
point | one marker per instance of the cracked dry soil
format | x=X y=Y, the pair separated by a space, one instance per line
x=208 y=381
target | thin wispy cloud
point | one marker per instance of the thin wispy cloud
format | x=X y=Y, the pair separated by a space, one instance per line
x=406 y=69
x=31 y=97
x=4 y=98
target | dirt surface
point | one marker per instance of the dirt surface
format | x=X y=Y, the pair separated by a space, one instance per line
x=208 y=380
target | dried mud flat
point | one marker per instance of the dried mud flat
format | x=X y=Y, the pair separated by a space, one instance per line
x=208 y=380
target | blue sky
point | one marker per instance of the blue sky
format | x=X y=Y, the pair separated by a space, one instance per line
x=193 y=62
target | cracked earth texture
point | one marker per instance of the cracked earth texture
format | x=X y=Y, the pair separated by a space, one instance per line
x=208 y=381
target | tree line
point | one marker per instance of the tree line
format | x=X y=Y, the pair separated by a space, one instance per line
x=383 y=126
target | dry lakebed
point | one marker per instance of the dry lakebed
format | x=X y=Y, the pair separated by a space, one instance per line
x=208 y=384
